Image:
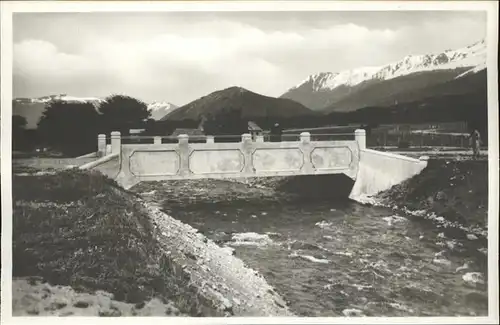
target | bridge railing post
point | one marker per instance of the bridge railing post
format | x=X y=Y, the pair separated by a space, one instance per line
x=116 y=142
x=360 y=137
x=101 y=145
x=183 y=154
x=246 y=142
x=210 y=139
x=245 y=137
x=305 y=137
x=306 y=148
x=157 y=140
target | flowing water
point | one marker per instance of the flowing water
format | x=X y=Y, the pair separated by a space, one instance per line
x=343 y=258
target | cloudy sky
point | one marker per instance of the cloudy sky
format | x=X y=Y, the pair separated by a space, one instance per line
x=179 y=57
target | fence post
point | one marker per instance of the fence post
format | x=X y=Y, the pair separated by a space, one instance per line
x=116 y=142
x=210 y=139
x=101 y=145
x=157 y=140
x=183 y=154
x=360 y=137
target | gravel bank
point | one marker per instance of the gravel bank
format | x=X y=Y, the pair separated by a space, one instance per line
x=220 y=276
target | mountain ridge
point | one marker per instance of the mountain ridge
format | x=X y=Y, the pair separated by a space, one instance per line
x=320 y=91
x=249 y=103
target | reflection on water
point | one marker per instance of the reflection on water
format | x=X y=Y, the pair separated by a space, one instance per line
x=332 y=259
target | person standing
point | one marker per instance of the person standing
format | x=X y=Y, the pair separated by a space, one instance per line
x=475 y=138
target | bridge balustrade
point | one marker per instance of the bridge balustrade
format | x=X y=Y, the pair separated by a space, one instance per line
x=218 y=157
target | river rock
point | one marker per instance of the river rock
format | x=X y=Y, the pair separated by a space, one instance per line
x=461 y=268
x=351 y=312
x=473 y=278
x=441 y=261
x=471 y=237
x=441 y=196
x=483 y=250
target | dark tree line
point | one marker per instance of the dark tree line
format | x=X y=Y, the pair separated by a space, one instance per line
x=72 y=128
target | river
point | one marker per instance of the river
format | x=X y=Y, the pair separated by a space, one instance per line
x=336 y=258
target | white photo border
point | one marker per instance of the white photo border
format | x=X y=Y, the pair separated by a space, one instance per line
x=8 y=8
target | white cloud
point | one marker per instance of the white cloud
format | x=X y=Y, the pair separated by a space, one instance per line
x=199 y=57
x=41 y=59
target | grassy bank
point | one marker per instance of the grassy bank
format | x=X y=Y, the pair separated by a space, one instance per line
x=81 y=230
x=454 y=189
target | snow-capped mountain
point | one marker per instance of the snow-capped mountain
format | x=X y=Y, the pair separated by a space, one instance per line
x=323 y=89
x=160 y=109
x=470 y=56
x=332 y=80
x=63 y=97
x=32 y=108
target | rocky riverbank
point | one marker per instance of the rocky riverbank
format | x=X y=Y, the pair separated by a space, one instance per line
x=453 y=189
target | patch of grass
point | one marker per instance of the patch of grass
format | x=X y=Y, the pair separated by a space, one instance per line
x=63 y=187
x=103 y=242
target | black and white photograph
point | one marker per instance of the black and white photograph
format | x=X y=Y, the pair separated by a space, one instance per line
x=249 y=161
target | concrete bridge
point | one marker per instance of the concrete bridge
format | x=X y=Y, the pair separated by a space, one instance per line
x=370 y=170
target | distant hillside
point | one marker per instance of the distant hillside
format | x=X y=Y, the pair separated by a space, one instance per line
x=251 y=105
x=471 y=84
x=409 y=88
